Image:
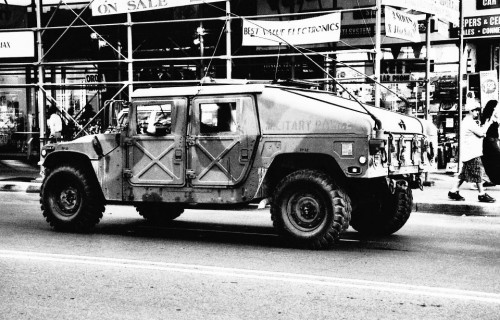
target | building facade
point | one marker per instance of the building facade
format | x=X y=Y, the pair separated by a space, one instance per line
x=85 y=54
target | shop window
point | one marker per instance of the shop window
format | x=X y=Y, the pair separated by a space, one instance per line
x=218 y=117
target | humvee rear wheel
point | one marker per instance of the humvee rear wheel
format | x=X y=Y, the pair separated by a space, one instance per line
x=310 y=209
x=159 y=212
x=383 y=213
x=70 y=201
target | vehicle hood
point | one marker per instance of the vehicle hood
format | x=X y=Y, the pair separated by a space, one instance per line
x=292 y=111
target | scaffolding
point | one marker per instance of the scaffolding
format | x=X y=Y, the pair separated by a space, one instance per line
x=121 y=60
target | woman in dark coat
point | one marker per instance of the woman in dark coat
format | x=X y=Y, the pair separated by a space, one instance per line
x=491 y=146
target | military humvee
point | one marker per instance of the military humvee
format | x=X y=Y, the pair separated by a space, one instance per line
x=322 y=161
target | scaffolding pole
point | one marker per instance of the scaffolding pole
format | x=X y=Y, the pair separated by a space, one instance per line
x=378 y=51
x=229 y=62
x=40 y=72
x=130 y=52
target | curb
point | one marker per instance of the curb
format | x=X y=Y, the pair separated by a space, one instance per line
x=458 y=209
x=448 y=208
x=27 y=187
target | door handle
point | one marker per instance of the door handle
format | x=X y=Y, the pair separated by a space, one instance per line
x=178 y=155
x=244 y=155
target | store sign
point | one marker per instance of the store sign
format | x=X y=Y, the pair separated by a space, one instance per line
x=482 y=26
x=92 y=81
x=321 y=29
x=401 y=25
x=357 y=30
x=489 y=86
x=107 y=7
x=487 y=4
x=444 y=9
x=395 y=77
x=19 y=44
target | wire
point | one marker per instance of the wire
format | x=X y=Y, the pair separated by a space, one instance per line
x=378 y=123
x=215 y=49
x=277 y=62
x=364 y=21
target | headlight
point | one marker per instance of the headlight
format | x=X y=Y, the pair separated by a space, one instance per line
x=362 y=160
x=46 y=150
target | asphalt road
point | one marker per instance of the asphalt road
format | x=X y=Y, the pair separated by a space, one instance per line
x=231 y=265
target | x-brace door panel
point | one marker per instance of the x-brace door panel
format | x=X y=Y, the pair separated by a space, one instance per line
x=216 y=161
x=157 y=161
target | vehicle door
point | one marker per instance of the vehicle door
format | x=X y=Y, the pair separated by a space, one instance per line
x=156 y=146
x=222 y=141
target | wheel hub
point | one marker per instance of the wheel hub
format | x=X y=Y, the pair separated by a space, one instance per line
x=68 y=199
x=306 y=212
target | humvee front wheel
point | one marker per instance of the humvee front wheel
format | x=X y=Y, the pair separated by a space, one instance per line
x=70 y=201
x=382 y=212
x=159 y=212
x=310 y=209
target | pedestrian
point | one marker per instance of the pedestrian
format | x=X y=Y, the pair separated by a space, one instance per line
x=491 y=146
x=87 y=114
x=54 y=123
x=471 y=150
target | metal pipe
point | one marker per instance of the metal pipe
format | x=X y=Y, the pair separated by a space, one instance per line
x=376 y=67
x=130 y=58
x=460 y=79
x=229 y=62
x=41 y=100
x=427 y=66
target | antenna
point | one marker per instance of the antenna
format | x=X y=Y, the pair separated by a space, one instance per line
x=378 y=123
x=277 y=63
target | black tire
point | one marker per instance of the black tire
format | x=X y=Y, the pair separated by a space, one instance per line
x=310 y=209
x=383 y=213
x=70 y=199
x=160 y=213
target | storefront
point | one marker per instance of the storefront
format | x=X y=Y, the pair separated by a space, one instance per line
x=95 y=53
x=18 y=127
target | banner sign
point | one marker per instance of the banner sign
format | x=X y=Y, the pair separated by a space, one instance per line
x=17 y=44
x=489 y=86
x=321 y=29
x=401 y=25
x=482 y=26
x=107 y=7
x=487 y=4
x=447 y=10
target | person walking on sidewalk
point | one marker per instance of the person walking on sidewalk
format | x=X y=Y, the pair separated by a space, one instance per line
x=54 y=124
x=491 y=145
x=471 y=150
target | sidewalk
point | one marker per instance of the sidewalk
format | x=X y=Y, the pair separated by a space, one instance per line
x=21 y=176
x=434 y=199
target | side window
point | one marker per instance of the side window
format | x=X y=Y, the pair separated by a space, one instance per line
x=218 y=117
x=154 y=120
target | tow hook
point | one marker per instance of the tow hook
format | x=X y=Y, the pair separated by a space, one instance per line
x=416 y=182
x=397 y=185
x=420 y=183
x=402 y=185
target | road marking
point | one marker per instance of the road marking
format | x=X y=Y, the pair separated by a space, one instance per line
x=258 y=275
